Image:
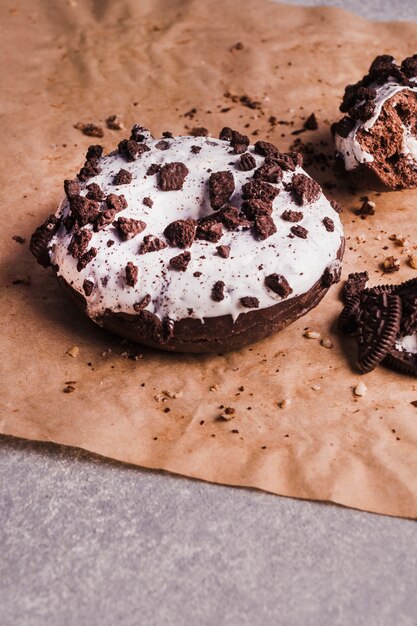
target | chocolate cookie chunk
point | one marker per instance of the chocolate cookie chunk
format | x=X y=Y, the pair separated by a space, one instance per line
x=41 y=238
x=172 y=176
x=221 y=187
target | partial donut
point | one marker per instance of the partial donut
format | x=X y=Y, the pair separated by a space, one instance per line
x=376 y=141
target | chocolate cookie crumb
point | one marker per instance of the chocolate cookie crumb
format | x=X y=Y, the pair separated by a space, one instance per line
x=331 y=275
x=304 y=189
x=264 y=226
x=278 y=284
x=266 y=149
x=151 y=243
x=18 y=239
x=209 y=232
x=247 y=162
x=84 y=210
x=94 y=153
x=147 y=202
x=311 y=123
x=299 y=231
x=355 y=283
x=139 y=306
x=88 y=287
x=181 y=261
x=233 y=219
x=86 y=258
x=123 y=177
x=89 y=170
x=95 y=192
x=259 y=189
x=114 y=122
x=336 y=206
x=221 y=187
x=390 y=264
x=132 y=273
x=289 y=161
x=328 y=224
x=223 y=251
x=252 y=208
x=367 y=208
x=162 y=145
x=79 y=243
x=217 y=292
x=199 y=131
x=91 y=167
x=118 y=203
x=131 y=150
x=181 y=233
x=72 y=188
x=128 y=227
x=343 y=127
x=91 y=130
x=153 y=169
x=249 y=302
x=140 y=133
x=270 y=171
x=105 y=218
x=172 y=176
x=41 y=238
x=195 y=149
x=238 y=142
x=292 y=216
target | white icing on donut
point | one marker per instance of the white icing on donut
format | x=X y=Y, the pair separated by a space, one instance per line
x=350 y=148
x=181 y=294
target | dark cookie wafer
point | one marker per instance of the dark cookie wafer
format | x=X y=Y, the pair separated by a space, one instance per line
x=404 y=362
x=378 y=325
x=409 y=287
x=408 y=294
x=41 y=238
x=348 y=319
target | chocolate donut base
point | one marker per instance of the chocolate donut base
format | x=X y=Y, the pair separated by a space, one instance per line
x=366 y=177
x=215 y=334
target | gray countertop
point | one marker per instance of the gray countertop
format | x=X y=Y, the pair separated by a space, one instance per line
x=88 y=541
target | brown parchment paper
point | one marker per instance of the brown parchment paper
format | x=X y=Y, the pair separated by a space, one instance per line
x=152 y=61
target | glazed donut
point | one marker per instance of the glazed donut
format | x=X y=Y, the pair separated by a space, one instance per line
x=193 y=244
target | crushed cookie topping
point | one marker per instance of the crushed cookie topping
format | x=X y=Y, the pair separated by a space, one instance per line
x=221 y=187
x=123 y=177
x=217 y=292
x=132 y=273
x=181 y=233
x=278 y=284
x=172 y=176
x=128 y=227
x=181 y=261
